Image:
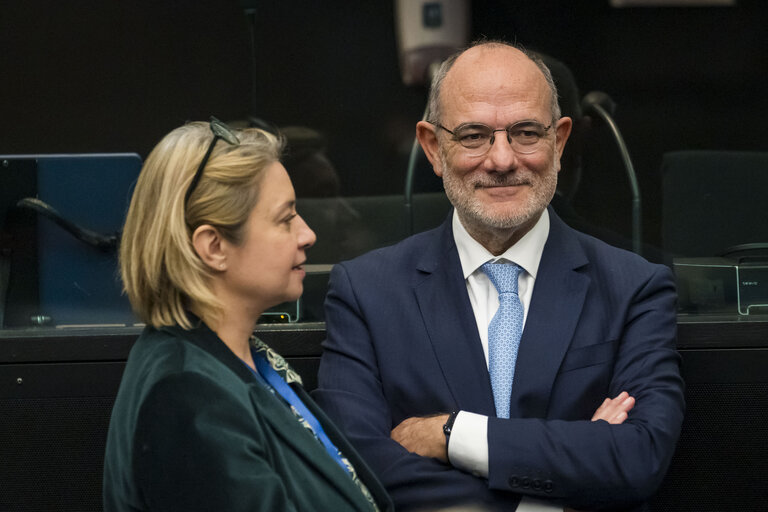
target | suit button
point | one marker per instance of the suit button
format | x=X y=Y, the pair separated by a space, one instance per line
x=548 y=486
x=514 y=481
x=525 y=482
x=536 y=485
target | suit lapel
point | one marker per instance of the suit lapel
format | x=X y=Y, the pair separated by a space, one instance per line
x=447 y=314
x=556 y=305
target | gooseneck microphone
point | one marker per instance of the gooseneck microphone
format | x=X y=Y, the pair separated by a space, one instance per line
x=106 y=243
x=411 y=170
x=599 y=103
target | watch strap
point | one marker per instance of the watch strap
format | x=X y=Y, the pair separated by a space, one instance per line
x=448 y=426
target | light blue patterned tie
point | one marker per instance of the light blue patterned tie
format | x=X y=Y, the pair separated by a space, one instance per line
x=504 y=333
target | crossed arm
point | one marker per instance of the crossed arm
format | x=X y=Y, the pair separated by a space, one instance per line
x=617 y=461
x=424 y=435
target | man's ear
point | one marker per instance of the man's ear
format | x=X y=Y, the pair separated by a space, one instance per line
x=562 y=131
x=207 y=242
x=427 y=135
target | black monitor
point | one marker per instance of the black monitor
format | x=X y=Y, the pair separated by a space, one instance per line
x=47 y=275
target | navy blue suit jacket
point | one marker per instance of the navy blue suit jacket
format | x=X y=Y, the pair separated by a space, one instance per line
x=403 y=341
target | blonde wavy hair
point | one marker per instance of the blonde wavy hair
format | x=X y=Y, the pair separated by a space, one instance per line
x=162 y=274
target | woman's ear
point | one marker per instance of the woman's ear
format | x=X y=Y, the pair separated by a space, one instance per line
x=207 y=242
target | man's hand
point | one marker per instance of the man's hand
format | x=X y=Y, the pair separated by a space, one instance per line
x=614 y=411
x=423 y=436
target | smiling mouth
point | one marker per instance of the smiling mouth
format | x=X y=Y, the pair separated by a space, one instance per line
x=504 y=193
x=500 y=187
x=502 y=183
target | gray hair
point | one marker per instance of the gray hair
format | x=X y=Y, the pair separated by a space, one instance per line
x=434 y=107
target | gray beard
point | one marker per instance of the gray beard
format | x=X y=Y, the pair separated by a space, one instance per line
x=473 y=211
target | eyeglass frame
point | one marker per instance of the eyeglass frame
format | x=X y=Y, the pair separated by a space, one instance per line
x=493 y=133
x=220 y=131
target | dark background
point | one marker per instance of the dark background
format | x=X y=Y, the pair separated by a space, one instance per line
x=89 y=76
x=115 y=76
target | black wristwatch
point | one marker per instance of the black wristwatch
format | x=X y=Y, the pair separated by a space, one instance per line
x=449 y=426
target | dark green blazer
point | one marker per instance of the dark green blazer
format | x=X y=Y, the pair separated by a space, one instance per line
x=192 y=429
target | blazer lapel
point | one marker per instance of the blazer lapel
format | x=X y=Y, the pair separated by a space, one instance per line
x=556 y=305
x=364 y=473
x=447 y=314
x=282 y=422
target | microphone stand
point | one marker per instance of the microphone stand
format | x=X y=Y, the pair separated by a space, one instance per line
x=412 y=156
x=594 y=102
x=249 y=8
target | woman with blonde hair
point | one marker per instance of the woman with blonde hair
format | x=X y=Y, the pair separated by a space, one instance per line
x=208 y=417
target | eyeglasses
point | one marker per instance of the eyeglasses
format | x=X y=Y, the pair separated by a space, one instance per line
x=220 y=131
x=525 y=137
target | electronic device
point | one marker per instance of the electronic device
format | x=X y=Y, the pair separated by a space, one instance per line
x=722 y=285
x=309 y=307
x=60 y=218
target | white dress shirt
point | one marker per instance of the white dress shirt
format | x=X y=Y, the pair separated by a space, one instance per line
x=468 y=448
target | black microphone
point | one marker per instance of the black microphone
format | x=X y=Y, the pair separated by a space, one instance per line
x=598 y=98
x=249 y=8
x=106 y=243
x=412 y=157
x=603 y=106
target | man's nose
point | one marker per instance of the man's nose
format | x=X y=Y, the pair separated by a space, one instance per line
x=501 y=156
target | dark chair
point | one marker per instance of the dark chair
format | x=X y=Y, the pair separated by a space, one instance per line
x=713 y=200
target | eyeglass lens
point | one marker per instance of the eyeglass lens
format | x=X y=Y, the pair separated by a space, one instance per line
x=525 y=138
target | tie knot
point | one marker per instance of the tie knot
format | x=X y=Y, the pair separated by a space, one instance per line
x=503 y=276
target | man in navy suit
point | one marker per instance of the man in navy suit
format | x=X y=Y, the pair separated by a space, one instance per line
x=405 y=366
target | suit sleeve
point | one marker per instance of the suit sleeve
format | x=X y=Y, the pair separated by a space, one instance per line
x=351 y=393
x=593 y=464
x=197 y=448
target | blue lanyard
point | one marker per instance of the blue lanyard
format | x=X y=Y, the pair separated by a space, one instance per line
x=266 y=372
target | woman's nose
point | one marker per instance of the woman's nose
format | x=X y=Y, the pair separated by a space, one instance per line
x=307 y=237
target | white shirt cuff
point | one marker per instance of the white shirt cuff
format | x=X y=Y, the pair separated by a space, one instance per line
x=468 y=444
x=533 y=505
x=468 y=451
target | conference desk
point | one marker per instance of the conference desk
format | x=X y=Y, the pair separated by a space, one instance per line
x=57 y=387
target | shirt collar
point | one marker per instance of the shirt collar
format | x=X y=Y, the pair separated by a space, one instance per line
x=526 y=252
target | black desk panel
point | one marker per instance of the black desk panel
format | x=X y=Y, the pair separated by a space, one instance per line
x=57 y=388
